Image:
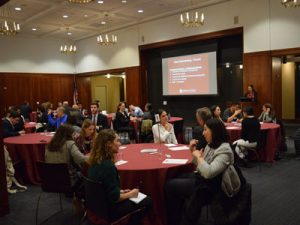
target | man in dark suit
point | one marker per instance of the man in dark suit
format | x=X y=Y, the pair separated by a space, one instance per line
x=98 y=118
x=9 y=124
x=25 y=110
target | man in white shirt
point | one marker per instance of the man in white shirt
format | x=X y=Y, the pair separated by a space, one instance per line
x=97 y=118
x=136 y=111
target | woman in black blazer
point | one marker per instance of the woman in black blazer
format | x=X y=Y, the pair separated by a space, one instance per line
x=122 y=121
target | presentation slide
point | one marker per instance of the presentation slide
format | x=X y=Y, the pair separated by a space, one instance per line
x=190 y=75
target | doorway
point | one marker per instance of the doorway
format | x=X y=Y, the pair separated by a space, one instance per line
x=108 y=90
x=101 y=95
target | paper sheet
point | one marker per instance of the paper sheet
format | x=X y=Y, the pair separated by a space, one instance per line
x=170 y=145
x=179 y=148
x=148 y=150
x=175 y=161
x=139 y=198
x=120 y=162
x=232 y=128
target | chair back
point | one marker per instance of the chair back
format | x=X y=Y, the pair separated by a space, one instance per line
x=235 y=210
x=54 y=177
x=95 y=198
x=146 y=127
x=178 y=130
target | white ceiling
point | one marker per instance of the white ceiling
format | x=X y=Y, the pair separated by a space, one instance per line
x=85 y=19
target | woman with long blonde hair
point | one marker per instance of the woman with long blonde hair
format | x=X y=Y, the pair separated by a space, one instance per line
x=86 y=137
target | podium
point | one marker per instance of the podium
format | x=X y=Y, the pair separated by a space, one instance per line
x=244 y=101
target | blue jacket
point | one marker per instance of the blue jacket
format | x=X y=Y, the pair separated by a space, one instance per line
x=58 y=121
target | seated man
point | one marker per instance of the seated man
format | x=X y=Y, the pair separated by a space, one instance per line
x=61 y=117
x=135 y=111
x=250 y=132
x=233 y=113
x=97 y=118
x=20 y=125
x=9 y=124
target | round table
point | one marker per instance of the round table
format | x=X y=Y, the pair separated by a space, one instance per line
x=146 y=171
x=272 y=142
x=29 y=148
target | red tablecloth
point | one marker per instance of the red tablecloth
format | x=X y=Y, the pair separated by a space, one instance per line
x=30 y=148
x=147 y=172
x=273 y=138
x=30 y=127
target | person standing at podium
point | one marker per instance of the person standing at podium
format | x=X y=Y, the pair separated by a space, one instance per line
x=251 y=94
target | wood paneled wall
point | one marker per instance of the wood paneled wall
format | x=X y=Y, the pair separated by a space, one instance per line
x=134 y=90
x=277 y=86
x=84 y=91
x=17 y=87
x=258 y=72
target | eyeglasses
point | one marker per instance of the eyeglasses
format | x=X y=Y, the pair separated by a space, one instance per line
x=164 y=115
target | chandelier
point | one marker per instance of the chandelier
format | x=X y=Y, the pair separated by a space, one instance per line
x=80 y=1
x=7 y=25
x=290 y=3
x=192 y=19
x=106 y=39
x=68 y=48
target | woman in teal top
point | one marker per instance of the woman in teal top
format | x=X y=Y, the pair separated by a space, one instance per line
x=102 y=168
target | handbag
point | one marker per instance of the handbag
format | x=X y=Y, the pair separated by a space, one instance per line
x=231 y=182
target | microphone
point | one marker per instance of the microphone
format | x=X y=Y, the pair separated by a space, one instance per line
x=157 y=120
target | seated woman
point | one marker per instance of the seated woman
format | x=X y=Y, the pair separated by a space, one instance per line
x=148 y=113
x=62 y=149
x=268 y=114
x=250 y=132
x=86 y=137
x=102 y=168
x=163 y=132
x=121 y=122
x=216 y=112
x=198 y=191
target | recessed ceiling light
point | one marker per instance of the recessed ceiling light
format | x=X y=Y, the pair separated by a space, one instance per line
x=103 y=22
x=65 y=16
x=123 y=1
x=18 y=8
x=100 y=2
x=69 y=33
x=140 y=11
x=34 y=29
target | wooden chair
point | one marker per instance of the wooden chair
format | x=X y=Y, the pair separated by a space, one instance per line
x=97 y=211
